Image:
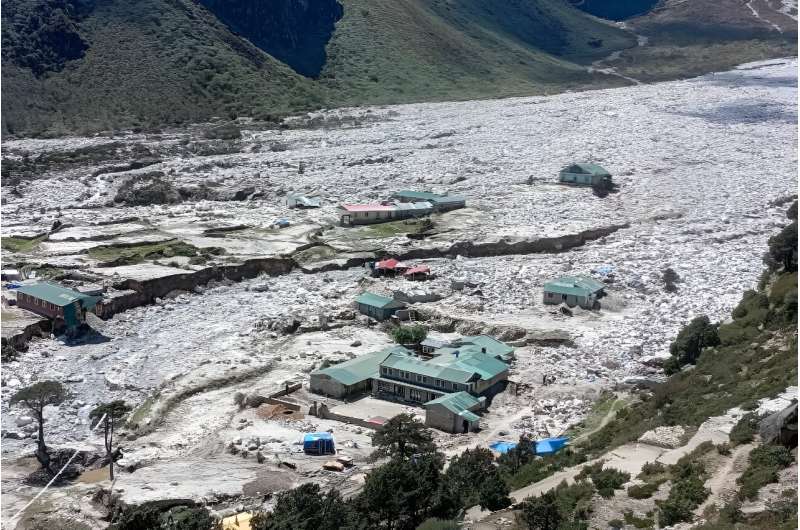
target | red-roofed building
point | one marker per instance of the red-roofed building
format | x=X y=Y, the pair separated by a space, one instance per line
x=419 y=272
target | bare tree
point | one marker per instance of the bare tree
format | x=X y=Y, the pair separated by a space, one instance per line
x=110 y=412
x=36 y=397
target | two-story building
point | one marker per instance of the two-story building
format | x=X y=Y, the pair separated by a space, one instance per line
x=409 y=378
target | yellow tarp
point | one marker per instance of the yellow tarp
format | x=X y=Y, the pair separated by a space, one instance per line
x=240 y=521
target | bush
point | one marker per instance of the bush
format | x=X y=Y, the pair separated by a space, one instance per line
x=638 y=522
x=744 y=430
x=724 y=449
x=691 y=340
x=650 y=469
x=409 y=334
x=439 y=524
x=643 y=491
x=565 y=507
x=765 y=463
x=541 y=513
x=670 y=278
x=605 y=480
x=229 y=131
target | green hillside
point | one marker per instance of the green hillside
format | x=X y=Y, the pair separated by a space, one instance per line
x=84 y=65
x=387 y=51
x=149 y=62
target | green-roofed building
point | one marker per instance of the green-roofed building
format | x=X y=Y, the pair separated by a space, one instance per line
x=488 y=345
x=440 y=202
x=574 y=291
x=466 y=369
x=584 y=174
x=454 y=412
x=377 y=306
x=353 y=376
x=66 y=307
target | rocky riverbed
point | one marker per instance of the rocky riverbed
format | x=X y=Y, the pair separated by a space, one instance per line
x=703 y=170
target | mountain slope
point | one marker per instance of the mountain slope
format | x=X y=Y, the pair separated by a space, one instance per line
x=149 y=62
x=155 y=62
x=400 y=51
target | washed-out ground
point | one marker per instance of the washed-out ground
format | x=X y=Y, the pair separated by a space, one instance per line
x=702 y=167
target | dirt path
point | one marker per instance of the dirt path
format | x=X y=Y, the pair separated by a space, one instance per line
x=723 y=482
x=612 y=411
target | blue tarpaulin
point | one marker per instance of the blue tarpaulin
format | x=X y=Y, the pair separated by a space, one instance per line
x=318 y=443
x=502 y=447
x=548 y=446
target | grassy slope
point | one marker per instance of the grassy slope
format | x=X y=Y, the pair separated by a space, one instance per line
x=386 y=51
x=757 y=359
x=692 y=38
x=155 y=62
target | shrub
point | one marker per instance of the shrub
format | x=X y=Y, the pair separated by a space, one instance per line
x=691 y=340
x=229 y=131
x=605 y=480
x=724 y=449
x=638 y=522
x=438 y=524
x=765 y=463
x=744 y=430
x=670 y=278
x=409 y=334
x=650 y=469
x=541 y=513
x=643 y=491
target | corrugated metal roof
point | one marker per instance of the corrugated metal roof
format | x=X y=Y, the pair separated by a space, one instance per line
x=457 y=402
x=428 y=369
x=421 y=195
x=414 y=206
x=419 y=269
x=574 y=285
x=493 y=346
x=368 y=207
x=58 y=295
x=586 y=167
x=469 y=416
x=446 y=365
x=435 y=198
x=361 y=368
x=376 y=300
x=307 y=201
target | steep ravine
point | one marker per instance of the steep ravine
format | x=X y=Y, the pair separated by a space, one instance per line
x=293 y=31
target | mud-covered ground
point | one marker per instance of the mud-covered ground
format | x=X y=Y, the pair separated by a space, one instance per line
x=702 y=166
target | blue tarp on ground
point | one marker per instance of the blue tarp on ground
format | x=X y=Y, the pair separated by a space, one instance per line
x=318 y=443
x=548 y=446
x=502 y=447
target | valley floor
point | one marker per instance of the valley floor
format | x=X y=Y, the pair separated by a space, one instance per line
x=702 y=167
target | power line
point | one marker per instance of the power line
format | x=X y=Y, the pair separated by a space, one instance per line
x=56 y=476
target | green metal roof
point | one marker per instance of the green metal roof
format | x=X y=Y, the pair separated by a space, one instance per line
x=494 y=347
x=457 y=402
x=469 y=416
x=446 y=365
x=574 y=285
x=421 y=195
x=58 y=295
x=376 y=300
x=426 y=368
x=435 y=198
x=592 y=169
x=361 y=368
